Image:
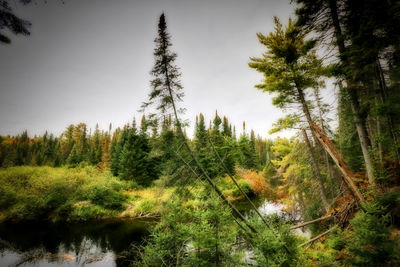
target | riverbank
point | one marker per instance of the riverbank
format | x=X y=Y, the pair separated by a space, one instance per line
x=88 y=193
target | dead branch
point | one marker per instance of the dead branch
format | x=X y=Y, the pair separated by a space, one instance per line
x=310 y=222
x=315 y=238
x=339 y=160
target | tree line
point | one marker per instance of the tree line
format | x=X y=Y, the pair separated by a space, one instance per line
x=139 y=152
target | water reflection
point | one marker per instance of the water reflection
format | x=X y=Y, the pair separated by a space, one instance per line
x=78 y=244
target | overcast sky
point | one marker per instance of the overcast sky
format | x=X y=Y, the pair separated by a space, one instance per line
x=89 y=61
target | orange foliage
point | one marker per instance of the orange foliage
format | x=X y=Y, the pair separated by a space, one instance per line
x=282 y=195
x=257 y=182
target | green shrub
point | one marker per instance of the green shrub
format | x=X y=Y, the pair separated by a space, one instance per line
x=88 y=212
x=8 y=197
x=146 y=206
x=57 y=195
x=275 y=245
x=41 y=193
x=336 y=240
x=370 y=242
x=107 y=198
x=246 y=188
x=200 y=235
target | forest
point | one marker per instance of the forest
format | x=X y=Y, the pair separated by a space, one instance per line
x=338 y=180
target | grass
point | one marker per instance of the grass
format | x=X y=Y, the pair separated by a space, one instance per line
x=86 y=193
x=45 y=193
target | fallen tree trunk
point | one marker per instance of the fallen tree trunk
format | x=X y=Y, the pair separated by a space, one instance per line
x=313 y=221
x=315 y=238
x=338 y=159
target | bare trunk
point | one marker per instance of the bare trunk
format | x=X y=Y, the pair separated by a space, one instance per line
x=379 y=132
x=314 y=161
x=310 y=222
x=317 y=172
x=364 y=141
x=383 y=93
x=315 y=238
x=329 y=166
x=337 y=157
x=355 y=106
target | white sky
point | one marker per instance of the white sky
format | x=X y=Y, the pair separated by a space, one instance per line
x=89 y=61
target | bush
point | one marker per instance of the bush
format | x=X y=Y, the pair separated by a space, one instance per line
x=86 y=211
x=366 y=242
x=42 y=193
x=107 y=198
x=275 y=245
x=201 y=234
x=146 y=206
x=246 y=188
x=258 y=183
x=370 y=242
x=336 y=240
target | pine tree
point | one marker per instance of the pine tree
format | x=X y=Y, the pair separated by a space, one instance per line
x=290 y=67
x=11 y=23
x=355 y=25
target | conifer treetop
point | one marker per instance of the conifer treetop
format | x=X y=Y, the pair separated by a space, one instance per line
x=166 y=85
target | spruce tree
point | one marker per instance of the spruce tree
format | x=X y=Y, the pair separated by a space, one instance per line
x=202 y=147
x=166 y=86
x=135 y=163
x=226 y=128
x=166 y=93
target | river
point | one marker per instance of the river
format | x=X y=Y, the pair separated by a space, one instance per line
x=91 y=244
x=69 y=244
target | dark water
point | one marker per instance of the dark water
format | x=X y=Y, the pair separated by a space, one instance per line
x=85 y=244
x=73 y=244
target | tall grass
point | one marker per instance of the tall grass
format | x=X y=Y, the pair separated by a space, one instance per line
x=41 y=193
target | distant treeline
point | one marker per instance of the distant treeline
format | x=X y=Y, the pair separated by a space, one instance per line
x=140 y=153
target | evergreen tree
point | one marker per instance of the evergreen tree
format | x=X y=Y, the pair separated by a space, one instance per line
x=166 y=92
x=118 y=141
x=67 y=142
x=247 y=156
x=290 y=67
x=135 y=163
x=166 y=85
x=95 y=154
x=9 y=22
x=355 y=25
x=202 y=147
x=226 y=128
x=22 y=149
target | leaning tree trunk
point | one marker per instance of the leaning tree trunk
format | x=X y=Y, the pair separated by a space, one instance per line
x=325 y=154
x=317 y=172
x=314 y=161
x=352 y=89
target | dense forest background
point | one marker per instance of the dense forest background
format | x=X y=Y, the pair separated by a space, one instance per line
x=139 y=152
